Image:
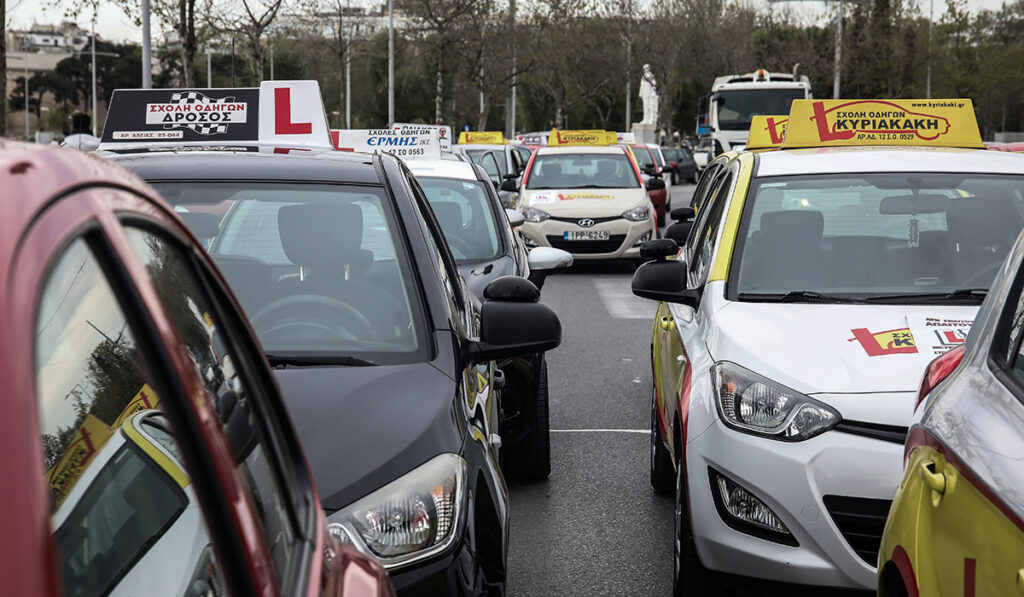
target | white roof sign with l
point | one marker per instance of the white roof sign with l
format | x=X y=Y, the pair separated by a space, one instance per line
x=408 y=144
x=277 y=114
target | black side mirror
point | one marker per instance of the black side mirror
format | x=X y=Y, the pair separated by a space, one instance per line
x=682 y=214
x=655 y=184
x=661 y=279
x=679 y=232
x=510 y=176
x=513 y=322
x=509 y=186
x=666 y=169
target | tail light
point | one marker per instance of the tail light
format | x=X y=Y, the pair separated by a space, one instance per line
x=938 y=370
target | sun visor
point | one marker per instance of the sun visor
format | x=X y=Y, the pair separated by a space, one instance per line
x=913 y=122
x=766 y=132
x=408 y=142
x=275 y=115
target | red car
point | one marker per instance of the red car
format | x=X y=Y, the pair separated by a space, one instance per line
x=146 y=447
x=649 y=168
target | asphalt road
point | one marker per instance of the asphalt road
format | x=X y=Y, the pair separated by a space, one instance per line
x=596 y=527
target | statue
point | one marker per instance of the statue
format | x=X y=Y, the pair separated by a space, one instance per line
x=649 y=96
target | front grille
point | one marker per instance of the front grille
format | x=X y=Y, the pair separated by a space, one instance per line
x=577 y=219
x=886 y=433
x=586 y=247
x=861 y=521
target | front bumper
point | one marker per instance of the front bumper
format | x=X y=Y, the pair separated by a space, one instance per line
x=624 y=237
x=457 y=573
x=793 y=479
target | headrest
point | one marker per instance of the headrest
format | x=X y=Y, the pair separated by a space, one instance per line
x=324 y=237
x=793 y=228
x=552 y=169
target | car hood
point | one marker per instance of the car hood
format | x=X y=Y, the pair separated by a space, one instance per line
x=837 y=349
x=479 y=275
x=594 y=203
x=363 y=427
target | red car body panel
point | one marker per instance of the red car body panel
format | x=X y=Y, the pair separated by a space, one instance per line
x=658 y=197
x=49 y=195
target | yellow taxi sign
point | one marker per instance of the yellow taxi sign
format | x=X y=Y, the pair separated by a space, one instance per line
x=766 y=132
x=482 y=138
x=80 y=451
x=583 y=137
x=838 y=123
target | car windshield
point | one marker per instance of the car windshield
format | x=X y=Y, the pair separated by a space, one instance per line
x=657 y=157
x=463 y=209
x=736 y=107
x=877 y=236
x=125 y=510
x=582 y=171
x=317 y=268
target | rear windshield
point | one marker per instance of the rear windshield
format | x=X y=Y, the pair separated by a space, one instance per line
x=316 y=267
x=582 y=171
x=874 y=235
x=463 y=209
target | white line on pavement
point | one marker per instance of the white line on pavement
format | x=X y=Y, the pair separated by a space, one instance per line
x=620 y=301
x=645 y=431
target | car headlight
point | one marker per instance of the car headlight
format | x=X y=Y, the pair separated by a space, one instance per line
x=637 y=214
x=754 y=404
x=532 y=214
x=411 y=518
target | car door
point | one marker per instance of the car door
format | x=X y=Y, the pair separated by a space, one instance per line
x=492 y=163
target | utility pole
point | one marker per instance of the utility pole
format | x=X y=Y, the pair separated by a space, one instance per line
x=928 y=80
x=839 y=50
x=209 y=69
x=348 y=75
x=95 y=116
x=391 y=63
x=510 y=100
x=629 y=63
x=271 y=60
x=232 y=61
x=147 y=50
x=3 y=65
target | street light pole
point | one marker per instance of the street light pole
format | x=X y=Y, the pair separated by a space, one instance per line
x=209 y=70
x=94 y=113
x=348 y=76
x=391 y=62
x=629 y=63
x=510 y=100
x=839 y=50
x=147 y=52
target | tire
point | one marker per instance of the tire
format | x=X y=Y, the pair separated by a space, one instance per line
x=689 y=577
x=663 y=474
x=530 y=459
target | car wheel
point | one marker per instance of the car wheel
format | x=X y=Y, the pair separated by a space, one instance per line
x=530 y=459
x=662 y=471
x=689 y=577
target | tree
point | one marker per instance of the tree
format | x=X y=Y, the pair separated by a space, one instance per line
x=249 y=20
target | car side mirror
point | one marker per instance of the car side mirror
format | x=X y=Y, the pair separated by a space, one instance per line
x=515 y=218
x=679 y=232
x=666 y=169
x=661 y=279
x=682 y=214
x=655 y=184
x=513 y=322
x=546 y=261
x=510 y=176
x=509 y=186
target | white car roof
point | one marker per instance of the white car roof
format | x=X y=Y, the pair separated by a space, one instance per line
x=443 y=169
x=606 y=149
x=838 y=160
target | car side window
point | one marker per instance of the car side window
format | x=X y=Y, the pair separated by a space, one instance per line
x=217 y=362
x=706 y=179
x=489 y=161
x=121 y=498
x=711 y=223
x=449 y=272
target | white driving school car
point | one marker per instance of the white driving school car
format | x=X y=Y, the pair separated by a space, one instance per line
x=817 y=283
x=585 y=195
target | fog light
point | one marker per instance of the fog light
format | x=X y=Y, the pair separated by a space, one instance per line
x=646 y=237
x=744 y=512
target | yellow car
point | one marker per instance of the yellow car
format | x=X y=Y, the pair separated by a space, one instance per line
x=956 y=526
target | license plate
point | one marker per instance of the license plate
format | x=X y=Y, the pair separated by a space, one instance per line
x=586 y=235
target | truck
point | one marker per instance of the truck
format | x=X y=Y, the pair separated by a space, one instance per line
x=725 y=112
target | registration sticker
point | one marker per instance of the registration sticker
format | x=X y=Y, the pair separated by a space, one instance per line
x=544 y=198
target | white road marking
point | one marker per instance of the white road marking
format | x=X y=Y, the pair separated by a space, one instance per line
x=620 y=301
x=644 y=431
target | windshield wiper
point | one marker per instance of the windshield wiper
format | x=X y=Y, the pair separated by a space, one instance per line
x=964 y=294
x=797 y=296
x=283 y=361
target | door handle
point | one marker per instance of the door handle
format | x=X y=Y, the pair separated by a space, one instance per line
x=934 y=481
x=680 y=360
x=667 y=323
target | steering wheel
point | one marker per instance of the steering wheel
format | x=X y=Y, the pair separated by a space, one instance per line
x=316 y=312
x=983 y=277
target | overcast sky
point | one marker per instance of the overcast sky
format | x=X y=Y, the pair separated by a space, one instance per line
x=113 y=24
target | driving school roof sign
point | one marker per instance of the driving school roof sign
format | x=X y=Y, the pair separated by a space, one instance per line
x=584 y=137
x=766 y=132
x=277 y=113
x=482 y=138
x=939 y=123
x=408 y=143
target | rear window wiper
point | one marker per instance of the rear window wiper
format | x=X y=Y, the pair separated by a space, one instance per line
x=964 y=294
x=797 y=296
x=283 y=361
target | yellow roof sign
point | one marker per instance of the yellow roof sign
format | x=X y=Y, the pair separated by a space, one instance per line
x=766 y=132
x=482 y=137
x=834 y=123
x=585 y=137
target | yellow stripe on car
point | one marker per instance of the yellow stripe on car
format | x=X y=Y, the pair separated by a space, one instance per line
x=723 y=258
x=156 y=454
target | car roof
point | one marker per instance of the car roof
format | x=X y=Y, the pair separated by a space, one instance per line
x=839 y=160
x=442 y=168
x=607 y=149
x=327 y=166
x=468 y=146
